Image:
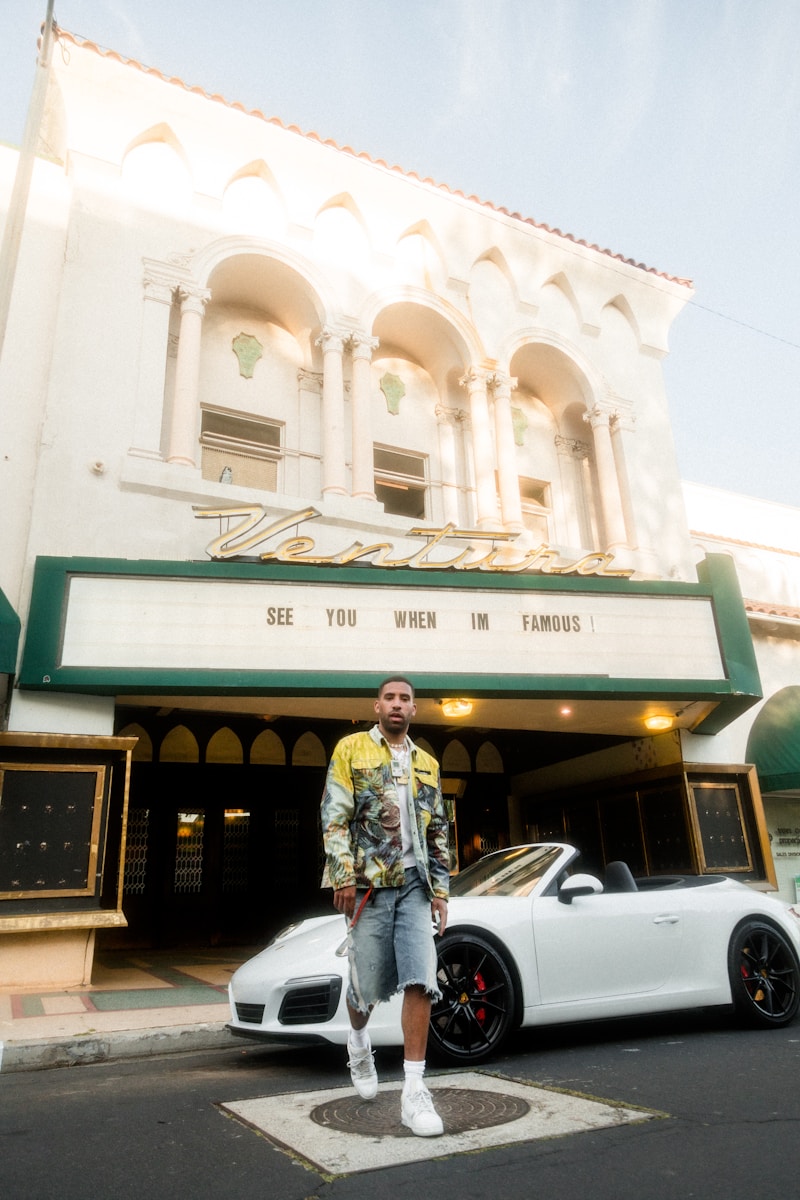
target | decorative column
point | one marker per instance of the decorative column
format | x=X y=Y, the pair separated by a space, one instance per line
x=507 y=473
x=153 y=347
x=183 y=427
x=333 y=454
x=303 y=468
x=450 y=421
x=610 y=500
x=573 y=523
x=623 y=423
x=485 y=492
x=363 y=483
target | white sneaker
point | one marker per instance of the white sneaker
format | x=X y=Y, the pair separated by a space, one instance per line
x=362 y=1071
x=418 y=1113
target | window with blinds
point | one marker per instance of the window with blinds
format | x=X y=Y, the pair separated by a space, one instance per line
x=240 y=450
x=400 y=481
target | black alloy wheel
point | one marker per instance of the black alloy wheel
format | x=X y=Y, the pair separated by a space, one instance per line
x=476 y=1011
x=764 y=975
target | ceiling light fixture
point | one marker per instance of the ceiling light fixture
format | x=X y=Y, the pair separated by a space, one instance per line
x=456 y=707
x=657 y=723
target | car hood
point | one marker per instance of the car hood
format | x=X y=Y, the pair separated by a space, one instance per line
x=307 y=948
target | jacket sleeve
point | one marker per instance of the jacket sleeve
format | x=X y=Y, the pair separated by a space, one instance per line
x=438 y=835
x=337 y=808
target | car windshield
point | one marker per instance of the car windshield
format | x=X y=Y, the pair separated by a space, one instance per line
x=506 y=873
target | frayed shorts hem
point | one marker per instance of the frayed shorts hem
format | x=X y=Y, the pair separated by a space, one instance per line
x=358 y=1005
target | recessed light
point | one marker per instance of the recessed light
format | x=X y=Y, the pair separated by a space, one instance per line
x=658 y=722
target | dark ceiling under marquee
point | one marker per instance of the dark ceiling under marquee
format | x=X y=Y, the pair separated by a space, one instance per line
x=520 y=750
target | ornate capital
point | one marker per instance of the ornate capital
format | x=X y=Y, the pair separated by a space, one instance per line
x=613 y=413
x=501 y=384
x=362 y=345
x=450 y=416
x=571 y=447
x=624 y=421
x=331 y=340
x=622 y=416
x=159 y=290
x=600 y=416
x=311 y=381
x=474 y=379
x=193 y=299
x=164 y=275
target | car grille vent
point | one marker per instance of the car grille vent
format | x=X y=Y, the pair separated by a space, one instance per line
x=311 y=1003
x=250 y=1014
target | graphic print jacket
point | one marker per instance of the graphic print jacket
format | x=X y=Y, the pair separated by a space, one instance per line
x=361 y=818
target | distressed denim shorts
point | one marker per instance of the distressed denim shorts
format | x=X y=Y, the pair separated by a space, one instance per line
x=392 y=944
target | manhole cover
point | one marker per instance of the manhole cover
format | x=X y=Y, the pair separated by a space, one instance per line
x=460 y=1110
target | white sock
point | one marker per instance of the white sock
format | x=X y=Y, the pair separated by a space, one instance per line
x=359 y=1038
x=413 y=1071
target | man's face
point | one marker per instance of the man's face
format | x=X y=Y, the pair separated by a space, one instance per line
x=394 y=708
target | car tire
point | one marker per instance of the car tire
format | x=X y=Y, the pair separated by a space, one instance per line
x=477 y=1010
x=764 y=975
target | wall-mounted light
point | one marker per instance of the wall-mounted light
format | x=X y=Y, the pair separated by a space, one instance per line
x=456 y=707
x=657 y=723
x=565 y=710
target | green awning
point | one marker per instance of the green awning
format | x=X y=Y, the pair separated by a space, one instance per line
x=9 y=636
x=774 y=742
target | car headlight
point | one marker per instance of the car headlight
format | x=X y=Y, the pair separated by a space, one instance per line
x=284 y=933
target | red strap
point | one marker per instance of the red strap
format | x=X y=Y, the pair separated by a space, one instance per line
x=359 y=910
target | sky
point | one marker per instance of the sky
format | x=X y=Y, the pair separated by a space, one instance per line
x=667 y=131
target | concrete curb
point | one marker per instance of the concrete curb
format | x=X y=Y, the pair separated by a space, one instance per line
x=44 y=1053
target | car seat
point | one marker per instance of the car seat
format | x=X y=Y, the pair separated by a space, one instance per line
x=619 y=878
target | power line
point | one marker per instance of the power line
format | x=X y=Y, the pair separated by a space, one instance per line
x=744 y=325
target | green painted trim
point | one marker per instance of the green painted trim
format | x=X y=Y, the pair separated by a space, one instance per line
x=108 y=681
x=41 y=670
x=780 y=783
x=718 y=573
x=375 y=576
x=10 y=627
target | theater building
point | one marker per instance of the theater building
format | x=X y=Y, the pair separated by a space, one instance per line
x=278 y=419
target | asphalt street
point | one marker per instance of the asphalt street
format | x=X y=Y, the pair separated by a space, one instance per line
x=152 y=1130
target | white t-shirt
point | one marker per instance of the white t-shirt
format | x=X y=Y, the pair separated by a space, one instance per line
x=401 y=774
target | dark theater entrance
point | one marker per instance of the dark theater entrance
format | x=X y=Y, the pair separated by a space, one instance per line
x=224 y=845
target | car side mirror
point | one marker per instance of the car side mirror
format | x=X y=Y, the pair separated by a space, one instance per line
x=579 y=885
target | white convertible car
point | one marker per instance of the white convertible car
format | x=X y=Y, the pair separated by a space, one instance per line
x=529 y=942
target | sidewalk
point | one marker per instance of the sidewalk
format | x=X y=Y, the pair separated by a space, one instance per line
x=139 y=1003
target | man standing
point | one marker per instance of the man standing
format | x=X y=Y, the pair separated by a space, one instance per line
x=385 y=835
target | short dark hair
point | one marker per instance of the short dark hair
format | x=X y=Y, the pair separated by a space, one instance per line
x=395 y=679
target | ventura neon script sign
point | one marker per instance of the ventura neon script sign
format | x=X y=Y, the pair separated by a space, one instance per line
x=245 y=536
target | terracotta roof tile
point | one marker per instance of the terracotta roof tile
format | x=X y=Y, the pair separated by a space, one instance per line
x=772 y=610
x=732 y=541
x=64 y=35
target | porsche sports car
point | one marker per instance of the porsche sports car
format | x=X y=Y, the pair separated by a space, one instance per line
x=530 y=942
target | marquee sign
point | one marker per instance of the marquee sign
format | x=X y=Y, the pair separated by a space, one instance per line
x=282 y=625
x=121 y=626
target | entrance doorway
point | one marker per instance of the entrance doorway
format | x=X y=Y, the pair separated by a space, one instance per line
x=219 y=855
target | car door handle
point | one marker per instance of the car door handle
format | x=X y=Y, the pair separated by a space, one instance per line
x=667 y=919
